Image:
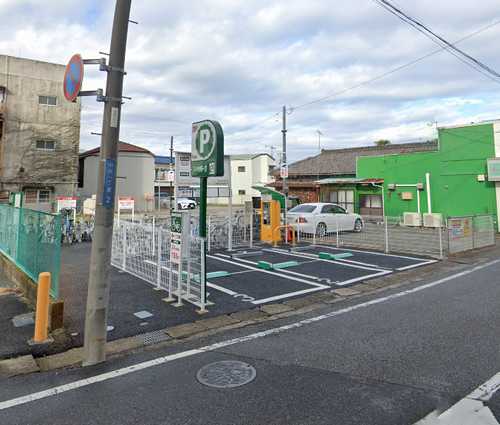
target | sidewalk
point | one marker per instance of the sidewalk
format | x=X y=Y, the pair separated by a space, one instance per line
x=14 y=339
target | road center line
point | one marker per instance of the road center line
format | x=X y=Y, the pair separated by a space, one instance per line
x=208 y=348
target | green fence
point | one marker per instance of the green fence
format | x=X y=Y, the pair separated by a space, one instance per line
x=32 y=240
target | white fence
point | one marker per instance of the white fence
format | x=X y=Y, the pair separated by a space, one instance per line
x=143 y=250
x=470 y=232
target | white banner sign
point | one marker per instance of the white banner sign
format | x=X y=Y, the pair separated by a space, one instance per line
x=284 y=171
x=126 y=203
x=66 y=202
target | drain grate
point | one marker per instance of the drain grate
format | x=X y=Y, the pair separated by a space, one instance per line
x=226 y=374
x=154 y=337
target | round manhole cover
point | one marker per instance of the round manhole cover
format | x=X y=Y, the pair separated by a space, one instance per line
x=226 y=374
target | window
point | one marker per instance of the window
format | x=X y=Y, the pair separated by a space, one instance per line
x=241 y=192
x=34 y=196
x=45 y=145
x=47 y=100
x=370 y=201
x=344 y=198
x=241 y=169
x=2 y=94
x=184 y=173
x=44 y=196
x=327 y=209
x=303 y=209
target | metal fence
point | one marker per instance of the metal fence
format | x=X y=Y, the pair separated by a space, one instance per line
x=470 y=232
x=143 y=250
x=32 y=240
x=386 y=234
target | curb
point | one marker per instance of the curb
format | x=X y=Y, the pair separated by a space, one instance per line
x=214 y=325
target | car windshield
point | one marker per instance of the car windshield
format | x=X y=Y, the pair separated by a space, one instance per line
x=303 y=209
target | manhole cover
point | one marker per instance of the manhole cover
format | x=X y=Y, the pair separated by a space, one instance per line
x=226 y=374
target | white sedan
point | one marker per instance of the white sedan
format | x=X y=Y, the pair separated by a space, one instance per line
x=323 y=218
x=185 y=203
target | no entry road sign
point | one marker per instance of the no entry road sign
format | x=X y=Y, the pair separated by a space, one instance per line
x=73 y=78
x=207 y=149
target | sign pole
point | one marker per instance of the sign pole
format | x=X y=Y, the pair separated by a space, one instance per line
x=96 y=315
x=203 y=207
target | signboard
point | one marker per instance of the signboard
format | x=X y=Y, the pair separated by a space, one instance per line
x=494 y=170
x=207 y=149
x=126 y=203
x=284 y=171
x=66 y=202
x=460 y=228
x=171 y=176
x=176 y=239
x=73 y=78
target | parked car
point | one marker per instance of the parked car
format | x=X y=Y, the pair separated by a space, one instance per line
x=322 y=218
x=185 y=204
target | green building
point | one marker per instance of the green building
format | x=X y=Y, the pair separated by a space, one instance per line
x=453 y=180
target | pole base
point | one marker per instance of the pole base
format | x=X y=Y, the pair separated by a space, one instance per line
x=168 y=299
x=33 y=343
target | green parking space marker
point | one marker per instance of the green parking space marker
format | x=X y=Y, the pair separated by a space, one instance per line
x=285 y=265
x=264 y=265
x=343 y=255
x=325 y=256
x=213 y=275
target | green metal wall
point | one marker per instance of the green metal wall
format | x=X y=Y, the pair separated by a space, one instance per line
x=455 y=189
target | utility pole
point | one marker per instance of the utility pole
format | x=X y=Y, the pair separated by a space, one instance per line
x=285 y=166
x=319 y=158
x=98 y=287
x=171 y=169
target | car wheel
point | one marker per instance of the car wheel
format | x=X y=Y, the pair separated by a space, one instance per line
x=179 y=206
x=192 y=206
x=358 y=225
x=321 y=230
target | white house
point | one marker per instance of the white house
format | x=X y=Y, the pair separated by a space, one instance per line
x=247 y=171
x=135 y=174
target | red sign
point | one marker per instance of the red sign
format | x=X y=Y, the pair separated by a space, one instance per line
x=73 y=78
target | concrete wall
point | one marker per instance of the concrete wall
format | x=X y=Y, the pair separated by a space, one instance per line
x=21 y=164
x=256 y=173
x=135 y=177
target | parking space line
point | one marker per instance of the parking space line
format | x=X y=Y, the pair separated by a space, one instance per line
x=371 y=252
x=328 y=261
x=417 y=265
x=221 y=289
x=360 y=279
x=307 y=282
x=288 y=295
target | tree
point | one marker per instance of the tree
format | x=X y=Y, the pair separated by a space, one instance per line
x=382 y=142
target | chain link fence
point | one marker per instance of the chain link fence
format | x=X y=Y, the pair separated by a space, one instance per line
x=32 y=241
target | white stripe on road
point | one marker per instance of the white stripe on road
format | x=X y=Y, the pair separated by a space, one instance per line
x=172 y=357
x=413 y=266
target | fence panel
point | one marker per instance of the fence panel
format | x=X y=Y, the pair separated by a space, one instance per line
x=483 y=231
x=32 y=240
x=143 y=250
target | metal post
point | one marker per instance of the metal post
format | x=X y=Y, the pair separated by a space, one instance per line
x=153 y=236
x=203 y=207
x=124 y=245
x=208 y=238
x=171 y=169
x=251 y=230
x=230 y=228
x=314 y=231
x=203 y=276
x=98 y=287
x=440 y=229
x=179 y=284
x=337 y=225
x=386 y=225
x=158 y=262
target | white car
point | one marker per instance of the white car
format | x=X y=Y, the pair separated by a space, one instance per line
x=323 y=218
x=185 y=204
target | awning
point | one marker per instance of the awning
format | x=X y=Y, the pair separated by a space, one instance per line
x=276 y=196
x=349 y=180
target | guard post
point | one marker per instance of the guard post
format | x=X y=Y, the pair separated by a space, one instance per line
x=207 y=160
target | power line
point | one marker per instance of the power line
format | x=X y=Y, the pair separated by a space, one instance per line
x=441 y=41
x=394 y=70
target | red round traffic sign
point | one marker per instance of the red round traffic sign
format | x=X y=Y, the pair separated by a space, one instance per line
x=73 y=78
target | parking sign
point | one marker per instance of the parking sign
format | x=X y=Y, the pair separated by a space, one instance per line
x=207 y=149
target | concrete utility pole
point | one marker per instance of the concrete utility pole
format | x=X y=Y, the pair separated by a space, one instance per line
x=98 y=287
x=171 y=169
x=283 y=154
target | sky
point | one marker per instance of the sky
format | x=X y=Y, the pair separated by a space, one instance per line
x=239 y=62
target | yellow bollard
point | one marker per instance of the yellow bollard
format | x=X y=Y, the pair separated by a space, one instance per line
x=42 y=308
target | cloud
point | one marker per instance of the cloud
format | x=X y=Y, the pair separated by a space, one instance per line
x=240 y=61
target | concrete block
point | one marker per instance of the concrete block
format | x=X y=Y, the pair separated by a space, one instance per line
x=346 y=292
x=246 y=315
x=124 y=344
x=362 y=287
x=18 y=366
x=69 y=358
x=275 y=308
x=183 y=331
x=216 y=322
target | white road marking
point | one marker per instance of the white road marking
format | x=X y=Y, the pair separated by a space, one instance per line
x=417 y=265
x=222 y=289
x=371 y=252
x=470 y=410
x=307 y=282
x=216 y=346
x=287 y=295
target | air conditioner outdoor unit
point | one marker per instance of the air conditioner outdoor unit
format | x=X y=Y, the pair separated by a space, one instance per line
x=433 y=220
x=412 y=219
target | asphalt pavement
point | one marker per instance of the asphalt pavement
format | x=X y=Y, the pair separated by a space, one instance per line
x=382 y=359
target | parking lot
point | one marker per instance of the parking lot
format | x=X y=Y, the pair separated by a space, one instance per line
x=265 y=275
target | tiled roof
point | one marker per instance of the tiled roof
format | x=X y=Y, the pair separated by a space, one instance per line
x=343 y=161
x=122 y=147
